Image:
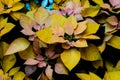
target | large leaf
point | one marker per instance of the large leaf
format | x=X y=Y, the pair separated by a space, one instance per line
x=48 y=36
x=8 y=62
x=91 y=53
x=17 y=45
x=113 y=75
x=114 y=42
x=92 y=28
x=70 y=58
x=19 y=76
x=41 y=15
x=92 y=11
x=27 y=53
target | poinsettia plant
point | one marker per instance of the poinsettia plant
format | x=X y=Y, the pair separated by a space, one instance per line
x=59 y=39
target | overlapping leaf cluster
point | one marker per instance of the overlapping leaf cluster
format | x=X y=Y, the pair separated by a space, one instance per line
x=59 y=36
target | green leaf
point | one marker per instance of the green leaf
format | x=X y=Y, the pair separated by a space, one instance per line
x=17 y=45
x=92 y=28
x=114 y=42
x=13 y=71
x=91 y=11
x=70 y=58
x=8 y=62
x=3 y=48
x=90 y=53
x=19 y=76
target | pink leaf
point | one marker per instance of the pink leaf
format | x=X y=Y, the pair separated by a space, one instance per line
x=112 y=20
x=60 y=69
x=49 y=72
x=31 y=61
x=42 y=64
x=114 y=2
x=40 y=58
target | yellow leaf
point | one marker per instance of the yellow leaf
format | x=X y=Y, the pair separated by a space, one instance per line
x=8 y=62
x=13 y=71
x=85 y=3
x=70 y=58
x=17 y=45
x=83 y=76
x=91 y=53
x=7 y=28
x=90 y=76
x=40 y=15
x=90 y=37
x=102 y=47
x=58 y=20
x=45 y=35
x=114 y=75
x=91 y=11
x=3 y=48
x=16 y=15
x=80 y=43
x=94 y=76
x=19 y=76
x=17 y=6
x=114 y=42
x=1 y=72
x=3 y=23
x=92 y=28
x=98 y=1
x=27 y=53
x=109 y=66
x=72 y=20
x=80 y=28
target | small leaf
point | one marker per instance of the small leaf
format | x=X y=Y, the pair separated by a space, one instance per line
x=60 y=69
x=97 y=64
x=83 y=76
x=114 y=42
x=98 y=2
x=91 y=11
x=41 y=15
x=17 y=6
x=7 y=28
x=49 y=72
x=8 y=62
x=90 y=53
x=114 y=75
x=31 y=61
x=85 y=3
x=13 y=71
x=92 y=28
x=70 y=58
x=94 y=76
x=27 y=53
x=118 y=65
x=19 y=76
x=17 y=45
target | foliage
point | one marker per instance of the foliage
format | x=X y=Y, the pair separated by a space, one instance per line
x=59 y=39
